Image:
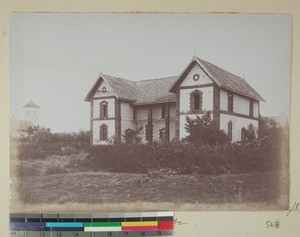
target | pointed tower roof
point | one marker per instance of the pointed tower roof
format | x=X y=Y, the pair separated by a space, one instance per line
x=31 y=104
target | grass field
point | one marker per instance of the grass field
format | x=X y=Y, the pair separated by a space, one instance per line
x=104 y=187
x=59 y=180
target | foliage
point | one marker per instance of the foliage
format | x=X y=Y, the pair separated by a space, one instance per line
x=204 y=131
x=41 y=142
x=132 y=136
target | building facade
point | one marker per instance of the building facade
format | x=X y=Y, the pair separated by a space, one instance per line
x=19 y=128
x=160 y=106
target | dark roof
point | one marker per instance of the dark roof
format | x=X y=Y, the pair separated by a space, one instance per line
x=228 y=80
x=155 y=91
x=31 y=104
x=162 y=90
x=141 y=92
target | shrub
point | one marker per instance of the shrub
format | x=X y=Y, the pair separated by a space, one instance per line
x=204 y=131
x=183 y=158
x=132 y=136
x=40 y=142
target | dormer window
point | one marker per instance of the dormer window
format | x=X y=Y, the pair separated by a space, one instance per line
x=196 y=101
x=103 y=110
x=230 y=102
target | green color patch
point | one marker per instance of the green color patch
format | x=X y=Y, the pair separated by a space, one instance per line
x=101 y=224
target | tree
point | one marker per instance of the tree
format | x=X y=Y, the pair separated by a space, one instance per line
x=37 y=135
x=132 y=136
x=204 y=131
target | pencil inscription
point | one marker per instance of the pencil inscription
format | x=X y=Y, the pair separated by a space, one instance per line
x=294 y=208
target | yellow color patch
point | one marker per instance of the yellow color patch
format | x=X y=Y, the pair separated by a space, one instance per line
x=139 y=223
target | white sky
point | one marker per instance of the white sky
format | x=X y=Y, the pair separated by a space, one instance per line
x=56 y=57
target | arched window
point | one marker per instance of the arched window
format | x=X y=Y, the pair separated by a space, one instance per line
x=103 y=132
x=103 y=110
x=229 y=132
x=196 y=101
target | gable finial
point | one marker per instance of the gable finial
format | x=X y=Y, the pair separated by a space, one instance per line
x=194 y=56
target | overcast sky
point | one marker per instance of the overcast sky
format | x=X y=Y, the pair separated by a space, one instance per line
x=56 y=58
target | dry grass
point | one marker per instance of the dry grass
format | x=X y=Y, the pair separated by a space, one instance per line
x=108 y=188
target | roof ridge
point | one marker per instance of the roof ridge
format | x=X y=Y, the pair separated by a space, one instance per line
x=152 y=79
x=221 y=68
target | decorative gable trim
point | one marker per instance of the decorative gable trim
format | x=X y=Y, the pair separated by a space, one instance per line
x=197 y=86
x=186 y=71
x=95 y=87
x=182 y=76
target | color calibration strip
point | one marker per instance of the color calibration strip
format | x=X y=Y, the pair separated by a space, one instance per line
x=99 y=222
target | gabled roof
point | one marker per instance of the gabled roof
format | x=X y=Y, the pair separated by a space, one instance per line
x=155 y=91
x=31 y=104
x=123 y=88
x=222 y=78
x=141 y=92
x=162 y=90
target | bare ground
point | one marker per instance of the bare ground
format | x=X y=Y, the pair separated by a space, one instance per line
x=105 y=187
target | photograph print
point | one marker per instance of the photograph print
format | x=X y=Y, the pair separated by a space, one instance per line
x=139 y=112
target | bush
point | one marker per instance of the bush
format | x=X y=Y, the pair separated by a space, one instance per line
x=204 y=131
x=40 y=143
x=132 y=136
x=183 y=158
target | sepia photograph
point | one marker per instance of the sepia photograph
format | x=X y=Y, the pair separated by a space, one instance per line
x=149 y=111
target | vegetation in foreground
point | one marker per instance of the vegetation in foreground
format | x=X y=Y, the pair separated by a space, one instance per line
x=206 y=168
x=205 y=151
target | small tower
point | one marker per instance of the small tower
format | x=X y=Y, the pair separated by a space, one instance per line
x=31 y=112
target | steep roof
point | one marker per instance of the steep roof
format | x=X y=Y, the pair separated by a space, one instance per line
x=228 y=80
x=123 y=88
x=221 y=77
x=155 y=91
x=162 y=90
x=31 y=104
x=141 y=92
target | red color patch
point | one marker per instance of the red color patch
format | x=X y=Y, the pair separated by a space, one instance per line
x=165 y=225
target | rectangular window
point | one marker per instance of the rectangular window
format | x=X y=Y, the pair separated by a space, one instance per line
x=230 y=102
x=104 y=109
x=229 y=132
x=251 y=108
x=196 y=101
x=163 y=111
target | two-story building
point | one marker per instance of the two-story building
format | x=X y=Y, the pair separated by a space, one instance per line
x=160 y=106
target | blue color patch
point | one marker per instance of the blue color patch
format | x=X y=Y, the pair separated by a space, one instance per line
x=64 y=224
